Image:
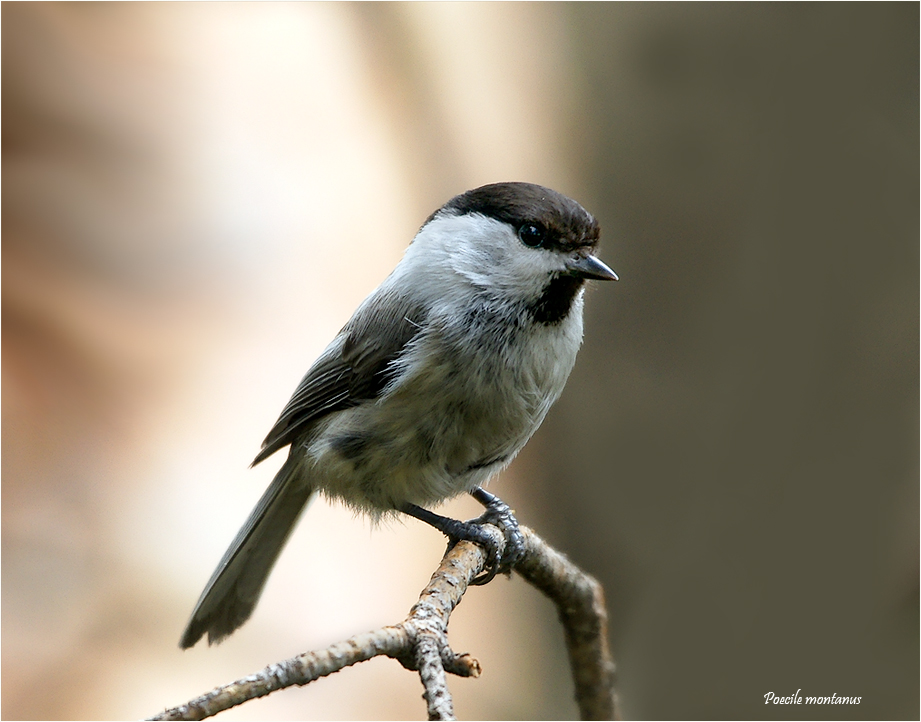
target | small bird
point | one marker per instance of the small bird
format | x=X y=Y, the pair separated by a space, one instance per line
x=432 y=387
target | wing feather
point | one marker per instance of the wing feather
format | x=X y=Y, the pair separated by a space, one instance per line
x=355 y=368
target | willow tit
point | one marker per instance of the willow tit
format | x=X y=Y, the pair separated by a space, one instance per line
x=432 y=387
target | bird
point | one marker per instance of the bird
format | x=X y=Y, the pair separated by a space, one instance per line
x=432 y=387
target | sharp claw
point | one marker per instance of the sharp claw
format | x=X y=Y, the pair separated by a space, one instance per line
x=491 y=568
x=498 y=514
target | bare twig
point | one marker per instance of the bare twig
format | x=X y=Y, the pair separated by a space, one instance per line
x=579 y=600
x=420 y=642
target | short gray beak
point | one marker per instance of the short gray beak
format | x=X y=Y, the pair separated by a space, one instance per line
x=591 y=267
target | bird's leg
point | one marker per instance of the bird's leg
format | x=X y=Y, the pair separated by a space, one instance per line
x=498 y=514
x=457 y=531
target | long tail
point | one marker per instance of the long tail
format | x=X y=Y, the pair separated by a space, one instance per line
x=233 y=590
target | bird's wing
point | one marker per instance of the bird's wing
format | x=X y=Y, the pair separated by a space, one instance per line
x=356 y=367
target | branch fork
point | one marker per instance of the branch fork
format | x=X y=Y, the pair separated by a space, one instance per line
x=420 y=642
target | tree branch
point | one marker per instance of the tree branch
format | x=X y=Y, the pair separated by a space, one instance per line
x=420 y=642
x=579 y=600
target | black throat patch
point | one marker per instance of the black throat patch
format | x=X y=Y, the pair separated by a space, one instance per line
x=555 y=302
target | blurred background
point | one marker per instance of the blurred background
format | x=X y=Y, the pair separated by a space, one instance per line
x=196 y=197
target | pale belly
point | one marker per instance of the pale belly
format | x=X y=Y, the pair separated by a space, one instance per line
x=443 y=429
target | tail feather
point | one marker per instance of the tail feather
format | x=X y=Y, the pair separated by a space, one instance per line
x=236 y=585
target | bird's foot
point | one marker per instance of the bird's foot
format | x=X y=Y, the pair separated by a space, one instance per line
x=500 y=515
x=500 y=558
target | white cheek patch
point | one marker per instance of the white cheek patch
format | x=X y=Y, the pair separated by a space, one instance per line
x=481 y=251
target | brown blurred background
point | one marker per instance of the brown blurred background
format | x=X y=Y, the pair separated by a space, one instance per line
x=196 y=197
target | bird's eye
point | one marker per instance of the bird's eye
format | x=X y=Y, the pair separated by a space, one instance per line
x=532 y=235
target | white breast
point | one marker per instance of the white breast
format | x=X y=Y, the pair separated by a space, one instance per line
x=470 y=389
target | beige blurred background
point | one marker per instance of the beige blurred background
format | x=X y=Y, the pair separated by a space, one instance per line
x=196 y=197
